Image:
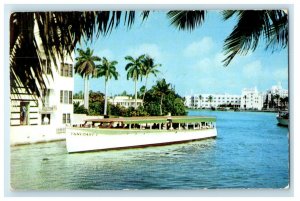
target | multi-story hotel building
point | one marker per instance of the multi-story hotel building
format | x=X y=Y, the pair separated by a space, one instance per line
x=33 y=118
x=251 y=99
x=212 y=100
x=270 y=100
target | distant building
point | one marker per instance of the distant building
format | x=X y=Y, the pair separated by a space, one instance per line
x=270 y=100
x=125 y=101
x=217 y=100
x=277 y=89
x=251 y=99
x=34 y=118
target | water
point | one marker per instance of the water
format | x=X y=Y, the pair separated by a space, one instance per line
x=251 y=151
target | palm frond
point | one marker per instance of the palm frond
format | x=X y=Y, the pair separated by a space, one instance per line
x=58 y=34
x=251 y=26
x=186 y=20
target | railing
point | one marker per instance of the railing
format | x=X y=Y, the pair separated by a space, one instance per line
x=49 y=108
x=60 y=130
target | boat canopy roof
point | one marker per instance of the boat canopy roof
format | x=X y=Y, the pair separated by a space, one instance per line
x=155 y=119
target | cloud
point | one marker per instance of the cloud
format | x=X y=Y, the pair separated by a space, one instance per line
x=152 y=49
x=204 y=64
x=211 y=64
x=106 y=53
x=204 y=46
x=253 y=70
x=281 y=74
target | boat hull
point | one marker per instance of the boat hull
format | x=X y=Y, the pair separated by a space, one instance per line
x=282 y=121
x=91 y=139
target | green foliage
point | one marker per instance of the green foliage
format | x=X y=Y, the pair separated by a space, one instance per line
x=171 y=102
x=96 y=103
x=152 y=108
x=117 y=110
x=86 y=62
x=140 y=111
x=161 y=99
x=79 y=109
x=78 y=95
x=96 y=108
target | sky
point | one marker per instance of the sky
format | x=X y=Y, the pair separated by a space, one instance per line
x=191 y=60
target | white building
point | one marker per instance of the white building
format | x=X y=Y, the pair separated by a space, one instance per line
x=216 y=100
x=277 y=89
x=37 y=119
x=125 y=101
x=269 y=99
x=251 y=99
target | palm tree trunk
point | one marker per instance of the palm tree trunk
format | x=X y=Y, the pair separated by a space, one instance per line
x=145 y=89
x=105 y=102
x=135 y=95
x=160 y=106
x=86 y=93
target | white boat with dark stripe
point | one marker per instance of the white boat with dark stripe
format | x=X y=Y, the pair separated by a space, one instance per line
x=130 y=132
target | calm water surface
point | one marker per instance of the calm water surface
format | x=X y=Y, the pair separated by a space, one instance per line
x=251 y=151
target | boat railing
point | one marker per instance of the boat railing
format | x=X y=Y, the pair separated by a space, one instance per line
x=168 y=125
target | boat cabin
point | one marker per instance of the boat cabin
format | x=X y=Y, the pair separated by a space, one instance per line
x=153 y=122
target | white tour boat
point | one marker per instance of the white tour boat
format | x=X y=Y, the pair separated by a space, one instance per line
x=129 y=132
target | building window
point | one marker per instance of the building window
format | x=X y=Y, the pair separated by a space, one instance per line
x=70 y=97
x=66 y=94
x=46 y=64
x=66 y=70
x=61 y=96
x=66 y=97
x=45 y=119
x=66 y=118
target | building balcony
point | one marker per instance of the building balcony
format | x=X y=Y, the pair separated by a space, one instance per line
x=48 y=109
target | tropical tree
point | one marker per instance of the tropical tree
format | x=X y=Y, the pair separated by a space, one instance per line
x=245 y=98
x=277 y=98
x=210 y=98
x=85 y=67
x=200 y=99
x=54 y=35
x=282 y=102
x=161 y=89
x=286 y=101
x=34 y=35
x=251 y=27
x=106 y=69
x=149 y=67
x=135 y=71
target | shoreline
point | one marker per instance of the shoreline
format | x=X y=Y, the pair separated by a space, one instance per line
x=269 y=111
x=44 y=134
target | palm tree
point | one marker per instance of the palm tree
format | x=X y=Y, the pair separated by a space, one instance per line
x=245 y=97
x=149 y=68
x=107 y=69
x=162 y=89
x=86 y=66
x=54 y=35
x=252 y=25
x=135 y=71
x=200 y=99
x=286 y=101
x=282 y=102
x=210 y=98
x=277 y=97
